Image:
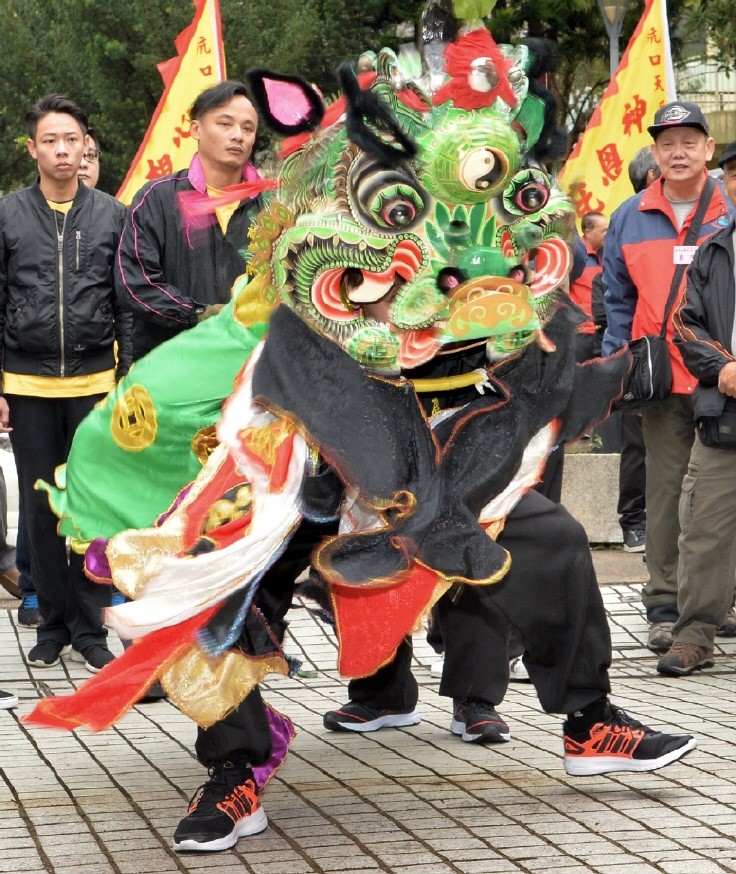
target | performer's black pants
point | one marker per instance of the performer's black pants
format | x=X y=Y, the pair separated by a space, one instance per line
x=550 y=596
x=70 y=603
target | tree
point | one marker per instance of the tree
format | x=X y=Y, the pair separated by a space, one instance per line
x=714 y=17
x=308 y=37
x=104 y=55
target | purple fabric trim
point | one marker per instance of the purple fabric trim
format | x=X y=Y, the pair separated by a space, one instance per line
x=282 y=734
x=179 y=498
x=95 y=561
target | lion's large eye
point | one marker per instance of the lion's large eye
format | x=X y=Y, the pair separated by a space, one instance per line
x=389 y=198
x=527 y=193
x=396 y=206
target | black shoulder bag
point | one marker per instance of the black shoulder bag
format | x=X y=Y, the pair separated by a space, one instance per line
x=650 y=377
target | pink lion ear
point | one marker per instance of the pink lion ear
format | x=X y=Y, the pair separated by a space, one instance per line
x=287 y=104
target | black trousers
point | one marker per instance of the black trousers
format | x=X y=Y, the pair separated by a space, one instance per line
x=632 y=475
x=550 y=596
x=503 y=644
x=70 y=603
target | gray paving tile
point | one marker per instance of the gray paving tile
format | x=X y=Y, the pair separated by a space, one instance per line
x=413 y=801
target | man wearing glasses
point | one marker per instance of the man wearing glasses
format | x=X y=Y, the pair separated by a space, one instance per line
x=89 y=169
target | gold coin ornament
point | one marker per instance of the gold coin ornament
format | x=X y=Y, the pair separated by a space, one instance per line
x=133 y=422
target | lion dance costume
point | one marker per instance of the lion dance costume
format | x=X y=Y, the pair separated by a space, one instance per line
x=418 y=190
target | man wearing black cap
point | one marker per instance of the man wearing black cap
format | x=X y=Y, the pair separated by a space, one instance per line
x=645 y=243
x=704 y=334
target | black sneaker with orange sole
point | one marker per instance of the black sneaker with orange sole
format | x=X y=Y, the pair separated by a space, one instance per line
x=225 y=808
x=620 y=743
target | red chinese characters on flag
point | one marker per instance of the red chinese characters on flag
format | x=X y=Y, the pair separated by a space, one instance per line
x=610 y=163
x=635 y=113
x=182 y=132
x=157 y=169
x=595 y=174
x=582 y=199
x=199 y=63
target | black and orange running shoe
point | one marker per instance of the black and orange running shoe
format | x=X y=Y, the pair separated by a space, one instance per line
x=620 y=743
x=223 y=809
x=354 y=716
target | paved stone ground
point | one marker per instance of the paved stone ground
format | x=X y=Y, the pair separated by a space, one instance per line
x=413 y=801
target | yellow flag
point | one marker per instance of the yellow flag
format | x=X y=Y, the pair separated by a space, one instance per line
x=596 y=174
x=199 y=64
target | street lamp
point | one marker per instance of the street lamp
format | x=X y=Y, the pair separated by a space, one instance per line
x=613 y=12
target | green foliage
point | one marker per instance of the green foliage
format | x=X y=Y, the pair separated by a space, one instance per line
x=308 y=37
x=715 y=17
x=104 y=54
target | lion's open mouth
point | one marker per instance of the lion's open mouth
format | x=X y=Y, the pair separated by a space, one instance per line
x=380 y=310
x=340 y=294
x=364 y=287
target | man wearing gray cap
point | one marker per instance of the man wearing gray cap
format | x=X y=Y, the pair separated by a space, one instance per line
x=705 y=335
x=646 y=242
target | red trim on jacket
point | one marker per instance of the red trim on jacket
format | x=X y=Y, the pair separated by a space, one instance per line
x=581 y=290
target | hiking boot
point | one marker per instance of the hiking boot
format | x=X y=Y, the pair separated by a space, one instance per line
x=478 y=723
x=46 y=654
x=517 y=671
x=96 y=657
x=728 y=629
x=635 y=540
x=660 y=636
x=683 y=659
x=620 y=743
x=8 y=700
x=362 y=717
x=29 y=616
x=223 y=809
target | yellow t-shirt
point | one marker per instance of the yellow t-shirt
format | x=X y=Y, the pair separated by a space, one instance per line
x=223 y=213
x=59 y=386
x=63 y=208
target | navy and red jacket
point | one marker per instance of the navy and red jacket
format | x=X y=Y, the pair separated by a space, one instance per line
x=639 y=264
x=581 y=288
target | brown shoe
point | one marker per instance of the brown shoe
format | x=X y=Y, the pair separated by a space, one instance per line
x=685 y=658
x=660 y=636
x=9 y=581
x=728 y=629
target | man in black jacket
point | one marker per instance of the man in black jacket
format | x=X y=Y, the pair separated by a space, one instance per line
x=704 y=333
x=172 y=271
x=59 y=322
